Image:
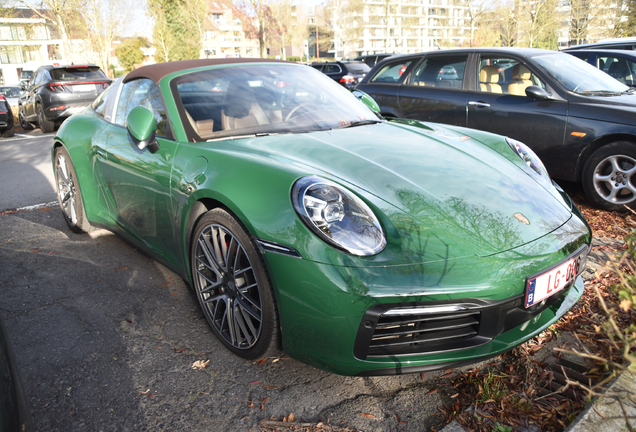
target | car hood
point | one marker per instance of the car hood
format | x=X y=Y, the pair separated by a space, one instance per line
x=453 y=188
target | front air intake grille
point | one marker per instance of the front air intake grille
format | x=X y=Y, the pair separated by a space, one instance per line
x=402 y=329
x=421 y=332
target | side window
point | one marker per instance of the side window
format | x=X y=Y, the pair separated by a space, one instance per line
x=506 y=76
x=582 y=56
x=103 y=105
x=37 y=78
x=441 y=71
x=99 y=105
x=619 y=68
x=392 y=72
x=317 y=66
x=142 y=92
x=332 y=68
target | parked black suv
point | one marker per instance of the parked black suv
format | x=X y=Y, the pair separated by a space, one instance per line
x=55 y=93
x=580 y=121
x=347 y=73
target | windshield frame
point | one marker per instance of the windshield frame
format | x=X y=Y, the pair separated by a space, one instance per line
x=331 y=96
x=580 y=77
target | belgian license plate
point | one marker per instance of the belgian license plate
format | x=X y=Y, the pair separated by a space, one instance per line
x=545 y=284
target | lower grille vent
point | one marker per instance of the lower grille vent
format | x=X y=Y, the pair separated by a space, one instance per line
x=420 y=333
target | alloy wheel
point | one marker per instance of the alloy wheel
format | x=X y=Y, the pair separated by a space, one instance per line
x=66 y=192
x=227 y=286
x=613 y=179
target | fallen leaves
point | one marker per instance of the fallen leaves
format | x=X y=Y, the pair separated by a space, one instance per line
x=200 y=364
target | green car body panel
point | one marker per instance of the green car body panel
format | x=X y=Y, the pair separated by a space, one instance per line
x=445 y=242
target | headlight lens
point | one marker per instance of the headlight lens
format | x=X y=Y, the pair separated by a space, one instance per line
x=529 y=157
x=338 y=216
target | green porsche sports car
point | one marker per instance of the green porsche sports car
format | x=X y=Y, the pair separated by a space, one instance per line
x=305 y=222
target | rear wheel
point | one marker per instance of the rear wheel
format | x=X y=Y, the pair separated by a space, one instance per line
x=233 y=287
x=609 y=178
x=68 y=193
x=46 y=126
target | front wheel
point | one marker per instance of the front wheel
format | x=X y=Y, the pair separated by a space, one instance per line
x=608 y=176
x=23 y=121
x=233 y=287
x=68 y=193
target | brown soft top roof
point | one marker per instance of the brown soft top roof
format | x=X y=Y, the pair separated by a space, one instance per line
x=157 y=71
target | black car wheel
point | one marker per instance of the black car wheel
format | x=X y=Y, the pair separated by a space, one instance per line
x=46 y=126
x=9 y=132
x=609 y=177
x=233 y=287
x=68 y=193
x=23 y=121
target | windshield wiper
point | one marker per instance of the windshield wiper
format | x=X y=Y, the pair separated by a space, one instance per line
x=599 y=93
x=358 y=123
x=629 y=90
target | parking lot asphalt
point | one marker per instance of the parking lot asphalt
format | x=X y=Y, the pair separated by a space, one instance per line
x=106 y=339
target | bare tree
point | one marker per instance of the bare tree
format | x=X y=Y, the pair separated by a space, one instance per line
x=257 y=19
x=287 y=30
x=105 y=20
x=61 y=14
x=537 y=20
x=345 y=19
x=477 y=10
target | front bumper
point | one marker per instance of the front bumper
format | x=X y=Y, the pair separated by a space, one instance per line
x=328 y=313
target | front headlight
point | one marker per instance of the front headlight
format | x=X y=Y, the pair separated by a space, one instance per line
x=338 y=216
x=529 y=157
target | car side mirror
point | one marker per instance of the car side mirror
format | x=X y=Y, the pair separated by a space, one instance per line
x=536 y=92
x=23 y=85
x=367 y=100
x=142 y=127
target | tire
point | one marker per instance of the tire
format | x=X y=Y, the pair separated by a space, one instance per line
x=609 y=179
x=68 y=193
x=23 y=121
x=237 y=299
x=7 y=133
x=46 y=126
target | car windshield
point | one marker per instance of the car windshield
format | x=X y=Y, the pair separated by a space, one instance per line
x=579 y=76
x=13 y=92
x=264 y=99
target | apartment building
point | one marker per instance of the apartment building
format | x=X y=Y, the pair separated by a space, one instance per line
x=224 y=36
x=401 y=26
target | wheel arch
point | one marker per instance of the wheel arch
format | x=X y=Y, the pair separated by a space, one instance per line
x=596 y=145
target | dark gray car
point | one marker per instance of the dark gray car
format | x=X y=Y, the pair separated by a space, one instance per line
x=55 y=93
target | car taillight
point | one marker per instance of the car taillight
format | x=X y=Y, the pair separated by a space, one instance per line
x=2 y=98
x=347 y=79
x=56 y=87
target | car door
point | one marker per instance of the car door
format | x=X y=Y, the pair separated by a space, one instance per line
x=384 y=84
x=435 y=90
x=500 y=105
x=138 y=181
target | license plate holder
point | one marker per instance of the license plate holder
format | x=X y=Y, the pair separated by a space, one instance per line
x=548 y=282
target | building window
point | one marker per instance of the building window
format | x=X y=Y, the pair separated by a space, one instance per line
x=208 y=34
x=11 y=55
